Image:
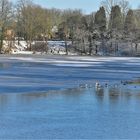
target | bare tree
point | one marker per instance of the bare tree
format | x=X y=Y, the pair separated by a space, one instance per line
x=108 y=4
x=124 y=4
x=5 y=14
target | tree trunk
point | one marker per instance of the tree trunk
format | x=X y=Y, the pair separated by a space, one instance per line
x=83 y=44
x=96 y=49
x=136 y=47
x=1 y=39
x=66 y=45
x=46 y=44
x=90 y=45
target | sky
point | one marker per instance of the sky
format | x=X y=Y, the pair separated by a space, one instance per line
x=87 y=6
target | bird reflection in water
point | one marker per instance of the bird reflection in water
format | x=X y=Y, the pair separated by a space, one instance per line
x=99 y=89
x=116 y=91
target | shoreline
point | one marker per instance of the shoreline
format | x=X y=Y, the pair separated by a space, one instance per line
x=63 y=56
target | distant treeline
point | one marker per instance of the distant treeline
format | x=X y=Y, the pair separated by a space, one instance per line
x=114 y=22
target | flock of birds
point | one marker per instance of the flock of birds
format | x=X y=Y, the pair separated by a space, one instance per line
x=99 y=85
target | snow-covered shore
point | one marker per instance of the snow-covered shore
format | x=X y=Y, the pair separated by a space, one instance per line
x=38 y=47
x=58 y=48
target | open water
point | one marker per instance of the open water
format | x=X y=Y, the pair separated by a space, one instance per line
x=56 y=98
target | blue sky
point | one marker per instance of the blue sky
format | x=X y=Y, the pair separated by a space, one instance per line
x=87 y=6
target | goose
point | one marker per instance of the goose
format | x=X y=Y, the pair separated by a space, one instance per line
x=97 y=85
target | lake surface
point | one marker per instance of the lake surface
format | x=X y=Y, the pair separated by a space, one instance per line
x=56 y=98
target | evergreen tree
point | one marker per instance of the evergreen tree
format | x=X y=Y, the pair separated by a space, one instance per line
x=129 y=22
x=100 y=19
x=115 y=22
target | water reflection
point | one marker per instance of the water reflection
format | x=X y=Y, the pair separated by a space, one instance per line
x=28 y=98
x=4 y=65
x=69 y=92
x=93 y=110
x=118 y=92
x=105 y=94
x=3 y=100
x=99 y=91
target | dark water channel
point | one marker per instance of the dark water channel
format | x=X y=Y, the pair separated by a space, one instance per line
x=41 y=100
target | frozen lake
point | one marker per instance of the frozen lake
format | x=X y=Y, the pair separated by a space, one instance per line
x=55 y=97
